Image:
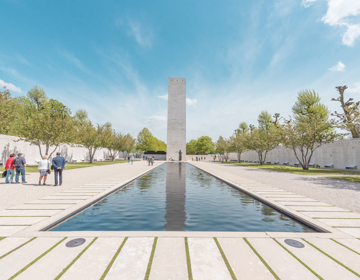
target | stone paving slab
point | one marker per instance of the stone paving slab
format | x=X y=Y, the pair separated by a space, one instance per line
x=29 y=212
x=9 y=244
x=317 y=261
x=41 y=206
x=95 y=260
x=339 y=222
x=53 y=202
x=65 y=197
x=352 y=231
x=243 y=260
x=332 y=214
x=169 y=260
x=309 y=208
x=133 y=259
x=20 y=220
x=17 y=260
x=206 y=260
x=350 y=242
x=284 y=265
x=9 y=230
x=46 y=268
x=316 y=204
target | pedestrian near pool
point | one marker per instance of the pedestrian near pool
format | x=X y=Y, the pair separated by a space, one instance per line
x=44 y=169
x=20 y=164
x=58 y=165
x=152 y=160
x=132 y=159
x=148 y=160
x=10 y=169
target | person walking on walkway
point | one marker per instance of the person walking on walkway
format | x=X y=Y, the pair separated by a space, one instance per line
x=152 y=160
x=58 y=164
x=148 y=160
x=132 y=159
x=9 y=167
x=44 y=169
x=20 y=164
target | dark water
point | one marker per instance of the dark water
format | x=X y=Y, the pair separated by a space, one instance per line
x=180 y=197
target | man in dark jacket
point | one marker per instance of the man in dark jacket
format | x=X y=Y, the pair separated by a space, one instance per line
x=58 y=164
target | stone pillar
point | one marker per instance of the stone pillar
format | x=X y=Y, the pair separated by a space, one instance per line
x=176 y=126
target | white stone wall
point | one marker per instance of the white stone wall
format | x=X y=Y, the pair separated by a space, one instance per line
x=9 y=144
x=176 y=124
x=340 y=153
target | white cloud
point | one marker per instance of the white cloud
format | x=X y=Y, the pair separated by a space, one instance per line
x=165 y=96
x=339 y=67
x=307 y=3
x=71 y=58
x=342 y=13
x=191 y=102
x=10 y=86
x=156 y=120
x=140 y=32
x=355 y=89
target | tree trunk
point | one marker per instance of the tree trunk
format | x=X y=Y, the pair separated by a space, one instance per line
x=239 y=156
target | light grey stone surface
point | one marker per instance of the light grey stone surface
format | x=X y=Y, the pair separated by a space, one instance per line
x=176 y=122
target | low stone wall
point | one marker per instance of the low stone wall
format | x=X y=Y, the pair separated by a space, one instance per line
x=340 y=153
x=156 y=156
x=10 y=144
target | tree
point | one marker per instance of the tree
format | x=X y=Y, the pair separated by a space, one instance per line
x=243 y=128
x=191 y=146
x=146 y=141
x=41 y=121
x=264 y=138
x=205 y=144
x=239 y=142
x=223 y=146
x=7 y=112
x=309 y=128
x=129 y=145
x=350 y=119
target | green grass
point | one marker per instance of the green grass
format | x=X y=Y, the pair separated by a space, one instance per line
x=147 y=275
x=225 y=259
x=355 y=179
x=188 y=261
x=293 y=169
x=69 y=166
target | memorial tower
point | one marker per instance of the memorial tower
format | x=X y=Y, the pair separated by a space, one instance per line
x=176 y=122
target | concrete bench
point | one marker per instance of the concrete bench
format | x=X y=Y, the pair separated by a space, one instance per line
x=297 y=164
x=351 y=166
x=276 y=162
x=37 y=161
x=74 y=160
x=286 y=163
x=329 y=165
x=268 y=162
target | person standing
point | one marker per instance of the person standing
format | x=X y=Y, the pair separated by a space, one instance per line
x=9 y=167
x=132 y=159
x=20 y=164
x=44 y=169
x=58 y=164
x=152 y=160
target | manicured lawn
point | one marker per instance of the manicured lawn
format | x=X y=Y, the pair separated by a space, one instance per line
x=293 y=169
x=348 y=178
x=68 y=166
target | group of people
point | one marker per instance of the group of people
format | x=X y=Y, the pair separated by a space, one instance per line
x=198 y=158
x=18 y=164
x=131 y=158
x=151 y=160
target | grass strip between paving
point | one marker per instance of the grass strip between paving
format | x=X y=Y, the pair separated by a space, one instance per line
x=225 y=259
x=74 y=260
x=2 y=237
x=345 y=246
x=147 y=274
x=113 y=259
x=263 y=261
x=34 y=261
x=8 y=253
x=188 y=262
x=335 y=260
x=300 y=261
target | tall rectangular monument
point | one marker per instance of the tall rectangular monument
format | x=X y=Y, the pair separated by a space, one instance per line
x=176 y=122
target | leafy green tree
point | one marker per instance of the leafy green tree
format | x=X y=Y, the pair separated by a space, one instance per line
x=146 y=141
x=43 y=122
x=350 y=118
x=309 y=128
x=239 y=142
x=224 y=147
x=7 y=111
x=243 y=128
x=205 y=144
x=129 y=145
x=191 y=146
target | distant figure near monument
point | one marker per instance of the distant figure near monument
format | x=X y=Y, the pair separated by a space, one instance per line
x=176 y=123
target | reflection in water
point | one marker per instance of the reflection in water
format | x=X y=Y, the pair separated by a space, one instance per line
x=175 y=197
x=179 y=197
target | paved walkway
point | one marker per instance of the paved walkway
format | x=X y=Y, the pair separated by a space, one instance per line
x=26 y=253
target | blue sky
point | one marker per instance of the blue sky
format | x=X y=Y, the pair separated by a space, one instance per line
x=114 y=58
